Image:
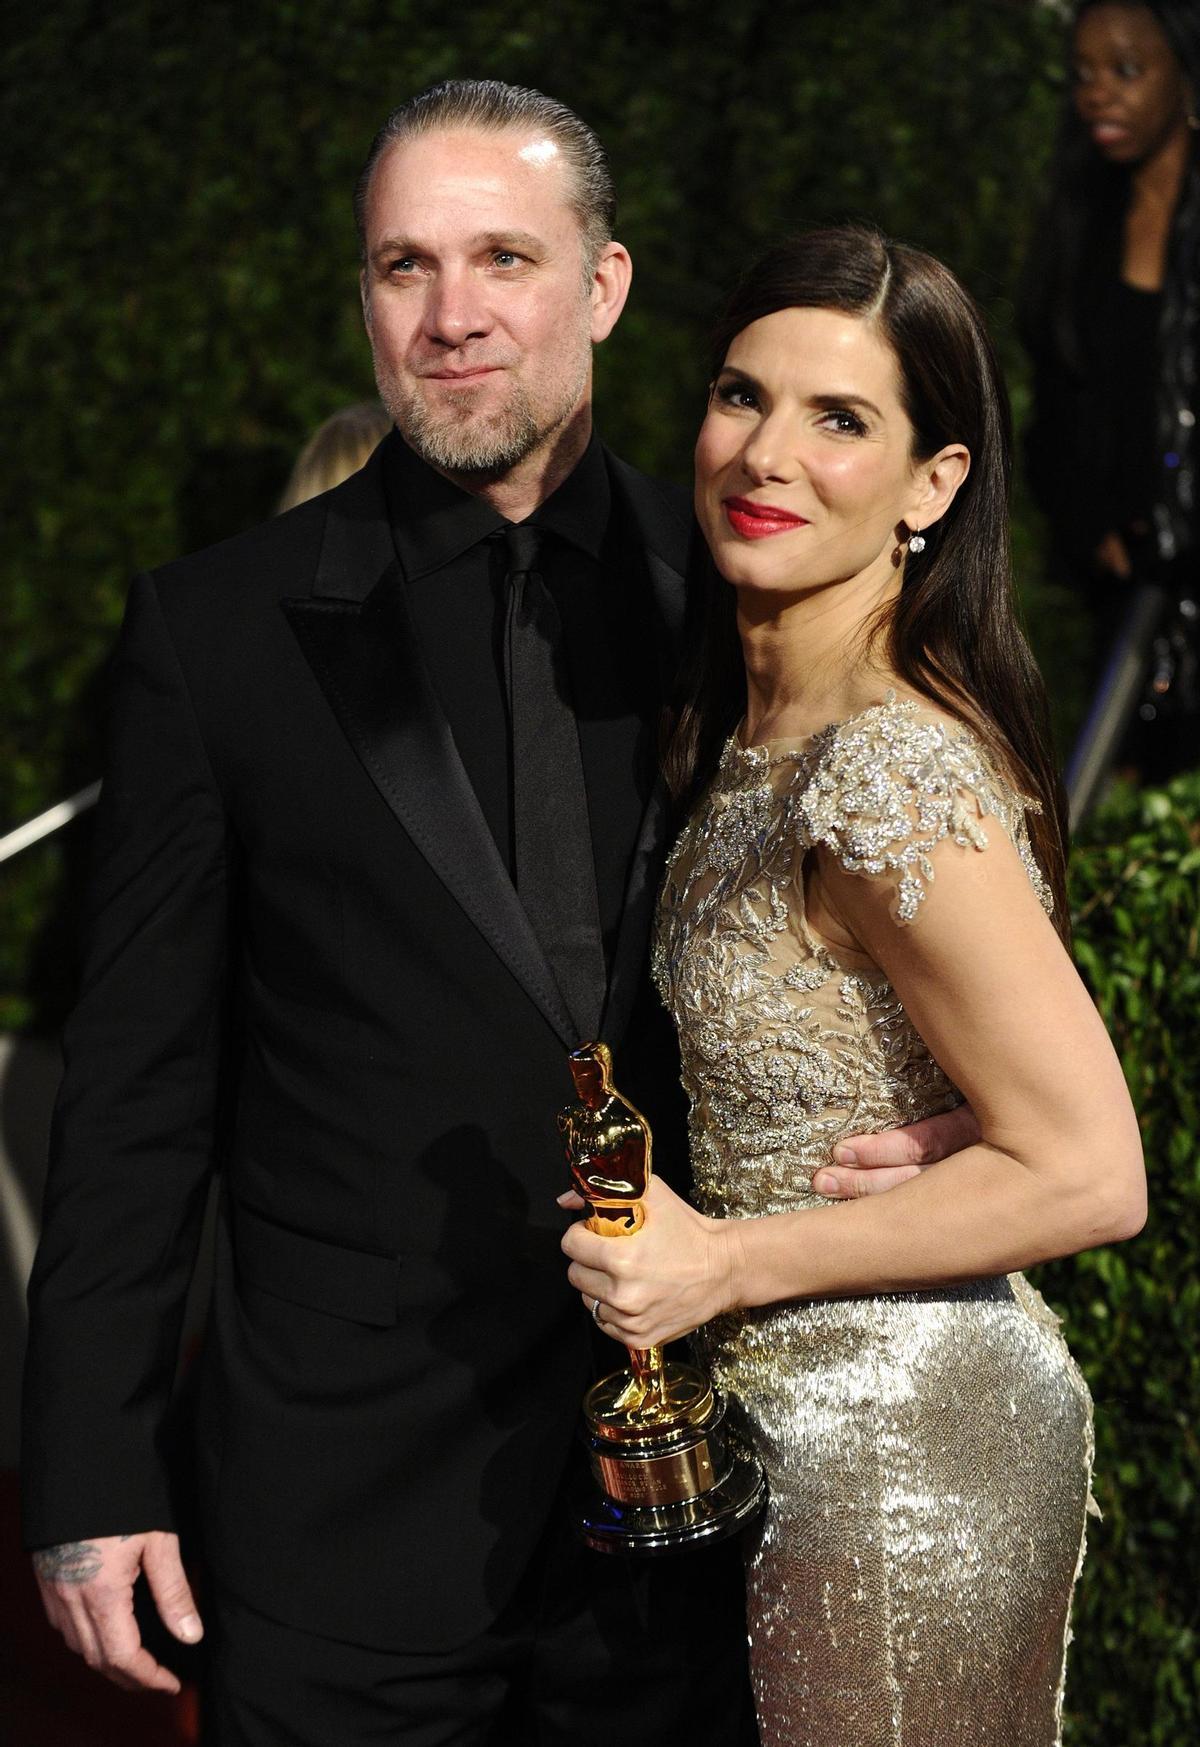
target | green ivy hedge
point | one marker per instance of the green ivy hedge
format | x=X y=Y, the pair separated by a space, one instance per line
x=1132 y=1313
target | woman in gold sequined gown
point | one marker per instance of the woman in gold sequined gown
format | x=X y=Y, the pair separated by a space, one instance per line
x=862 y=921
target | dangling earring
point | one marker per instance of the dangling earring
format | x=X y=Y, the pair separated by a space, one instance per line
x=916 y=543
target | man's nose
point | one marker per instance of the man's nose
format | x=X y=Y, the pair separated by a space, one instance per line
x=456 y=310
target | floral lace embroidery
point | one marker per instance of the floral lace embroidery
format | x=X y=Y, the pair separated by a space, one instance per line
x=784 y=1048
x=885 y=788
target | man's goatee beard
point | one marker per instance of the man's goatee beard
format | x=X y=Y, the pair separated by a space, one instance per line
x=479 y=449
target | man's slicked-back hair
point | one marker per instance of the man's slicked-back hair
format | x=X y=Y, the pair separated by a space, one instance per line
x=492 y=106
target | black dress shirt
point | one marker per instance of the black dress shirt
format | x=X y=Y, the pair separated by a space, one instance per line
x=453 y=559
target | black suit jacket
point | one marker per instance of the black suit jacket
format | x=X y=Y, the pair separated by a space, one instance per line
x=307 y=958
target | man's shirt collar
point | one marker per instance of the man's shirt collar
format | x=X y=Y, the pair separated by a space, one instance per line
x=435 y=521
x=578 y=511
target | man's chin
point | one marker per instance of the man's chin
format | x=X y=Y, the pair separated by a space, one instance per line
x=472 y=448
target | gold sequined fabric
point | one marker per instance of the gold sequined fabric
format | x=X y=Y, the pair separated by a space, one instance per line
x=929 y=1453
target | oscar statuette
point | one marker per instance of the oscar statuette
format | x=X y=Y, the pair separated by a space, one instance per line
x=670 y=1471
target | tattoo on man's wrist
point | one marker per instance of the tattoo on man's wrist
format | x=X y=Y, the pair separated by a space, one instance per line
x=72 y=1562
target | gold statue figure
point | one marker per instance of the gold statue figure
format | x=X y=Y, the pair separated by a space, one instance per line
x=609 y=1146
x=669 y=1471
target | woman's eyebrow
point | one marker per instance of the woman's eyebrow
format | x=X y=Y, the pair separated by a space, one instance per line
x=743 y=376
x=826 y=402
x=833 y=402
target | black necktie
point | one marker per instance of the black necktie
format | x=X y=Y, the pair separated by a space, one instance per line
x=555 y=869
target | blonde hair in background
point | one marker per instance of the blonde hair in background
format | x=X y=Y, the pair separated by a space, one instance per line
x=335 y=450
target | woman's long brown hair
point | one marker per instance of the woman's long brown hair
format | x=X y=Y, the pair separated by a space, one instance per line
x=953 y=633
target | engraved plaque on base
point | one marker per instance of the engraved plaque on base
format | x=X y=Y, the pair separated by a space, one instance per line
x=669 y=1470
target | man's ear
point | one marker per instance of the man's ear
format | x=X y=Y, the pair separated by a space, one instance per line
x=938 y=481
x=610 y=288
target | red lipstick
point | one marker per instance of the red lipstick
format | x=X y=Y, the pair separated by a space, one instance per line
x=757 y=521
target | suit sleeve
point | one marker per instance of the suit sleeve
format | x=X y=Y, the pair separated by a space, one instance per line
x=133 y=1133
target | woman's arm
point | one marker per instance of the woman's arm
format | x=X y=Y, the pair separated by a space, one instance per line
x=1057 y=1168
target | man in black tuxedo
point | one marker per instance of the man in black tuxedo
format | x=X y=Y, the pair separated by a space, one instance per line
x=363 y=878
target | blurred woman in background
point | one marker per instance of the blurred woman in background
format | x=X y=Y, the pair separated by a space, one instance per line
x=1111 y=315
x=335 y=450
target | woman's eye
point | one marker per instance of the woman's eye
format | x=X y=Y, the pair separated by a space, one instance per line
x=1128 y=70
x=844 y=422
x=735 y=394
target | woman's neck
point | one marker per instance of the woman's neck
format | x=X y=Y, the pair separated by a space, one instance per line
x=1156 y=184
x=1158 y=179
x=809 y=657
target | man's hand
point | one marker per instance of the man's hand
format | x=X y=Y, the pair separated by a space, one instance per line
x=869 y=1164
x=87 y=1592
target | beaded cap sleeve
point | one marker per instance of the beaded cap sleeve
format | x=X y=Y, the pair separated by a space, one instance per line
x=886 y=788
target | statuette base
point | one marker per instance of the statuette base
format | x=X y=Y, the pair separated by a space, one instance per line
x=669 y=1479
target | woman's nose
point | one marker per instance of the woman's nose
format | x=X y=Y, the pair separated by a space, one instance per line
x=1095 y=97
x=772 y=453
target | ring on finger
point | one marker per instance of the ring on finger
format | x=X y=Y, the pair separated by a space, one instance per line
x=596 y=1311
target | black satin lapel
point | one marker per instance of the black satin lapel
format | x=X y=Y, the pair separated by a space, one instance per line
x=669 y=591
x=366 y=661
x=357 y=547
x=661 y=520
x=631 y=959
x=664 y=528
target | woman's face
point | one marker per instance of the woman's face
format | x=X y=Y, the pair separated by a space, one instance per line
x=803 y=469
x=1130 y=91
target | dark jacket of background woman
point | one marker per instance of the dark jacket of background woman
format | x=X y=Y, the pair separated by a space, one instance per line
x=1112 y=445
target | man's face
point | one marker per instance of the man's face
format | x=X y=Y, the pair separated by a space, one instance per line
x=480 y=318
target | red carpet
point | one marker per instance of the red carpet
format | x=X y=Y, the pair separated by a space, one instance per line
x=49 y=1697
